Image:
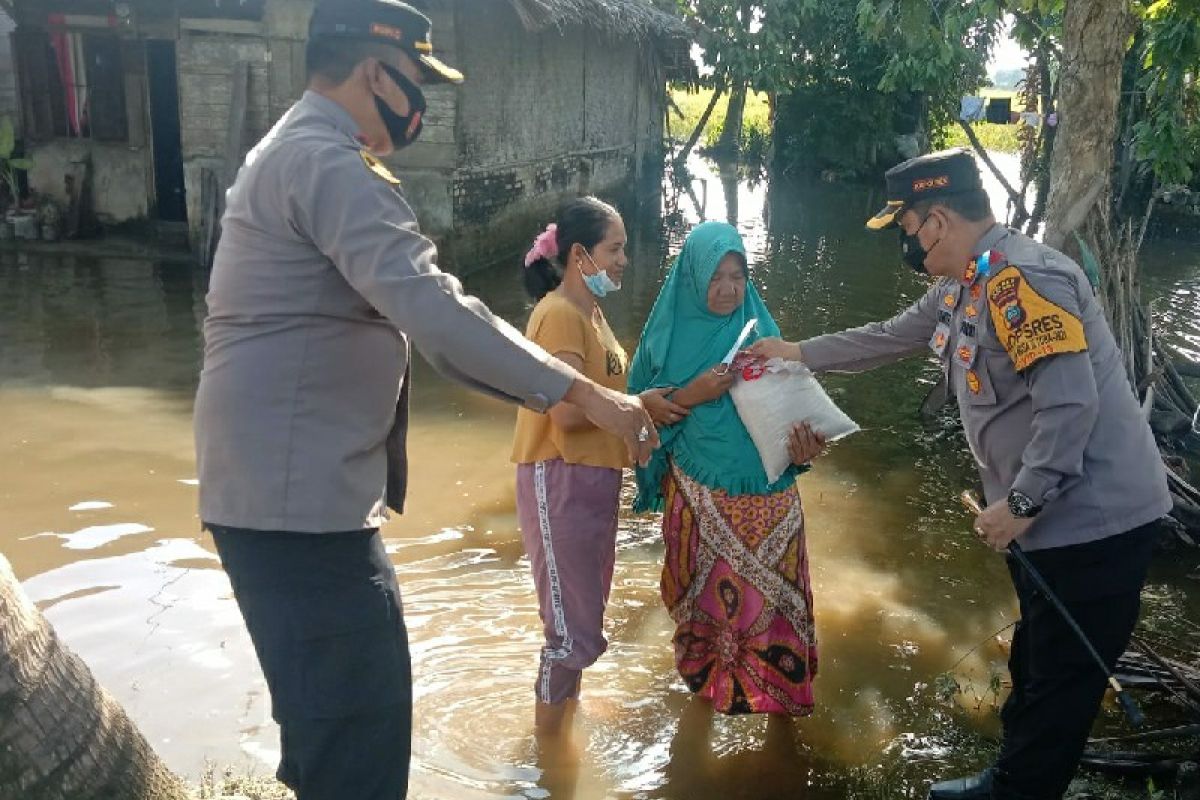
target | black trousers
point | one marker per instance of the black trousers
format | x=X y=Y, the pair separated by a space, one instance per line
x=1057 y=687
x=324 y=613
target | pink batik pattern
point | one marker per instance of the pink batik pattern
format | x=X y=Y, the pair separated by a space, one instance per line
x=736 y=583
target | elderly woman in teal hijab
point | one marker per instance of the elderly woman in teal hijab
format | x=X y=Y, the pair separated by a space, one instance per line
x=736 y=573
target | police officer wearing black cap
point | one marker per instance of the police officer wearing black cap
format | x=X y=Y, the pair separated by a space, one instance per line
x=320 y=278
x=1069 y=465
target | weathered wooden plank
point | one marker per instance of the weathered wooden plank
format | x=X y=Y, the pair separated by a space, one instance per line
x=425 y=155
x=236 y=27
x=299 y=70
x=280 y=85
x=133 y=57
x=236 y=132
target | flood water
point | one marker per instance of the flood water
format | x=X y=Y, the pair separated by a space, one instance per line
x=98 y=365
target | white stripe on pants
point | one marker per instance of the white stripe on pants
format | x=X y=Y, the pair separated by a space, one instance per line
x=568 y=515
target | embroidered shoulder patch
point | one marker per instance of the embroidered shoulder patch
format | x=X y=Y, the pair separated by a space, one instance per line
x=376 y=166
x=1028 y=325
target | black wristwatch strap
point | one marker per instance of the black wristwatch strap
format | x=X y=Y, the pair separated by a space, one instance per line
x=1022 y=505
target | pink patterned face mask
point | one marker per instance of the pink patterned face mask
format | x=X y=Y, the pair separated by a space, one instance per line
x=544 y=246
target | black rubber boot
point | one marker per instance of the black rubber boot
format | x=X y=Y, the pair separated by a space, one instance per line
x=975 y=787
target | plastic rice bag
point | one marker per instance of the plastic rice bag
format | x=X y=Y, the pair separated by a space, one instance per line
x=773 y=396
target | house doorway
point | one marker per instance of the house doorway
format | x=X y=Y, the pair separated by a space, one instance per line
x=163 y=79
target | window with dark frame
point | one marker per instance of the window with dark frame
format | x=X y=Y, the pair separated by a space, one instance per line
x=72 y=84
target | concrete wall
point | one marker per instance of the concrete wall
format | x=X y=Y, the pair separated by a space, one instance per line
x=546 y=117
x=9 y=107
x=206 y=62
x=274 y=49
x=426 y=167
x=539 y=118
x=121 y=176
x=207 y=54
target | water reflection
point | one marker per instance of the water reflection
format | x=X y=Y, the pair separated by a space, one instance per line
x=1169 y=276
x=98 y=361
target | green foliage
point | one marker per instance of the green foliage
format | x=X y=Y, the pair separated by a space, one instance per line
x=948 y=691
x=751 y=42
x=854 y=72
x=836 y=128
x=9 y=166
x=1167 y=138
x=938 y=48
x=1002 y=138
x=835 y=117
x=851 y=74
x=756 y=119
x=946 y=687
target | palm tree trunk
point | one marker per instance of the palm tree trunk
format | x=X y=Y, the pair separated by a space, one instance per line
x=62 y=737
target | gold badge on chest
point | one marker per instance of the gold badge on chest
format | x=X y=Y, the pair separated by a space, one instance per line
x=378 y=169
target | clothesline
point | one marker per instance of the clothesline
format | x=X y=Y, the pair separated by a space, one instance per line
x=974 y=109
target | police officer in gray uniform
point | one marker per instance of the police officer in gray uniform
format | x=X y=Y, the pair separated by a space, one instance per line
x=320 y=278
x=1069 y=466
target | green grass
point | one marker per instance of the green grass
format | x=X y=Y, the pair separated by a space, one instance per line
x=755 y=119
x=993 y=137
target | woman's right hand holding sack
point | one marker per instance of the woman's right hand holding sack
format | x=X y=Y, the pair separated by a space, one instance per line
x=711 y=384
x=705 y=387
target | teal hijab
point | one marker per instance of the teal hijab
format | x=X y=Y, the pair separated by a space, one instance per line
x=682 y=338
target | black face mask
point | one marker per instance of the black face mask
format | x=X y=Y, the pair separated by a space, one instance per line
x=403 y=130
x=912 y=252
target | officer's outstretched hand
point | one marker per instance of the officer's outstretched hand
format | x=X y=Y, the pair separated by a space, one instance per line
x=774 y=347
x=997 y=527
x=619 y=414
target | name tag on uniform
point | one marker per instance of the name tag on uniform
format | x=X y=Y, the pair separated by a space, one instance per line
x=940 y=338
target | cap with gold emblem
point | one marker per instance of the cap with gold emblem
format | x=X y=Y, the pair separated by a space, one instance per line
x=926 y=178
x=388 y=21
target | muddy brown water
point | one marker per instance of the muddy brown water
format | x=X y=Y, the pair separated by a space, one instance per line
x=98 y=364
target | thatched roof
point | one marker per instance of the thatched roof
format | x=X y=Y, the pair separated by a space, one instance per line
x=637 y=18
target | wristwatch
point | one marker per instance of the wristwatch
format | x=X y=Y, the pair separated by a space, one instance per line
x=1022 y=505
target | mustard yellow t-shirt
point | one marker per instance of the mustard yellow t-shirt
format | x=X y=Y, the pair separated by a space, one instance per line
x=560 y=327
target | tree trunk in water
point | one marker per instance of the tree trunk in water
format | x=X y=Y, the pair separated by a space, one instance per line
x=1095 y=35
x=701 y=125
x=730 y=144
x=62 y=737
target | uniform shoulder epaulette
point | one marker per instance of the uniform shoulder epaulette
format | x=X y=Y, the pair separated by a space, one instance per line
x=377 y=168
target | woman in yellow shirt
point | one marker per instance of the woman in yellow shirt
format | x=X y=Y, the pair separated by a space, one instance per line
x=568 y=470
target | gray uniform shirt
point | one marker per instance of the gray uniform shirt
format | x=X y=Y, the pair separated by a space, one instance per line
x=320 y=277
x=1046 y=404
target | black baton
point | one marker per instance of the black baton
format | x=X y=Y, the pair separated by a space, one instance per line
x=1128 y=704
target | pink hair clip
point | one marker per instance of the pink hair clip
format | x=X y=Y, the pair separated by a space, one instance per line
x=544 y=246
